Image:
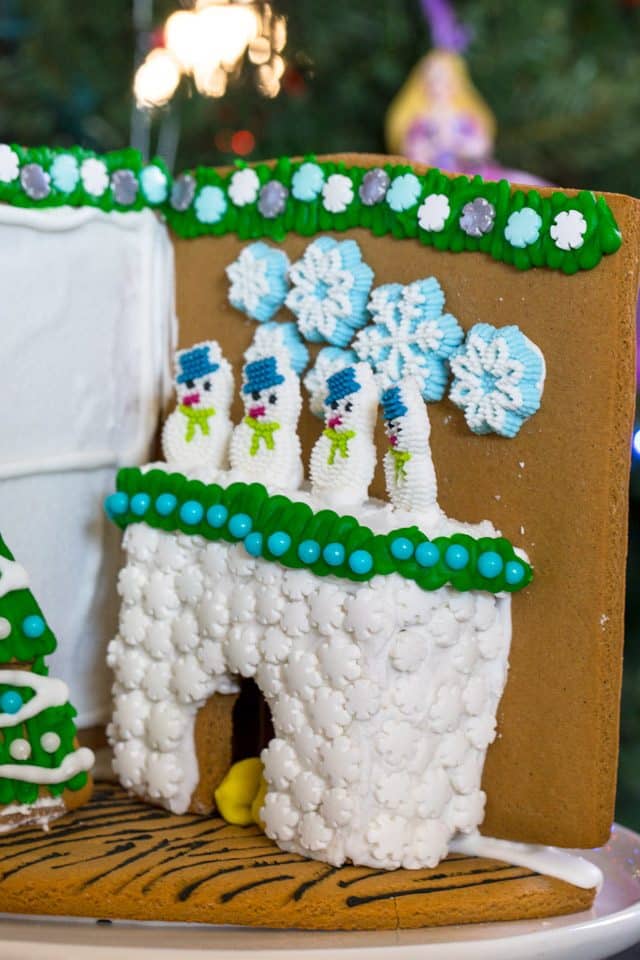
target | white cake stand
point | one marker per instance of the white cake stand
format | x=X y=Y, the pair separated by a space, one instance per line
x=612 y=925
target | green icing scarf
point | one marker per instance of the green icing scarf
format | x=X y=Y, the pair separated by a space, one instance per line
x=261 y=431
x=196 y=419
x=339 y=443
x=400 y=461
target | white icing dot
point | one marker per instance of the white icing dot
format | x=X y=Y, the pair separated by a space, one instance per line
x=50 y=742
x=5 y=628
x=20 y=749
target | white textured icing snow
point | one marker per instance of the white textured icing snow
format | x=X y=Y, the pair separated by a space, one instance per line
x=383 y=695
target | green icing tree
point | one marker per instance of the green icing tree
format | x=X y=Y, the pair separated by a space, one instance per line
x=37 y=730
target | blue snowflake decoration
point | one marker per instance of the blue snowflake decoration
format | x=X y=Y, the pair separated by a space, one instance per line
x=258 y=281
x=410 y=336
x=330 y=287
x=498 y=379
x=273 y=337
x=329 y=361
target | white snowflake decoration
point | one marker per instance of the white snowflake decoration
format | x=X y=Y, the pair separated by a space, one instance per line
x=410 y=336
x=498 y=379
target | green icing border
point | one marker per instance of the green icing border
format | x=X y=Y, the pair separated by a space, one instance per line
x=271 y=513
x=308 y=218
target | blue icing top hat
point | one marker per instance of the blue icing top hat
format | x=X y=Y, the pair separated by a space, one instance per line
x=341 y=384
x=261 y=374
x=393 y=405
x=195 y=363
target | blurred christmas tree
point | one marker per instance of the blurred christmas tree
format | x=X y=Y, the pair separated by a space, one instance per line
x=559 y=74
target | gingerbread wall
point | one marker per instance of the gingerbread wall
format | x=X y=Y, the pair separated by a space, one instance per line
x=559 y=490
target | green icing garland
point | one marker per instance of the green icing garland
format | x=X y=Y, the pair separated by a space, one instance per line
x=276 y=514
x=307 y=218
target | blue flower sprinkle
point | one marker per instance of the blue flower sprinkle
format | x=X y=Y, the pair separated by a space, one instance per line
x=154 y=183
x=404 y=192
x=210 y=205
x=65 y=173
x=523 y=227
x=307 y=182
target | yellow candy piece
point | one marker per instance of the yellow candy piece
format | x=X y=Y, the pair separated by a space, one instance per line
x=240 y=790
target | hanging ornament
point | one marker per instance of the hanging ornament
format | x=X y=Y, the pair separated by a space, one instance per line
x=438 y=117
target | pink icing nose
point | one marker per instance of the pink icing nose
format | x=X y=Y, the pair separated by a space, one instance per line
x=256 y=412
x=335 y=422
x=393 y=440
x=192 y=398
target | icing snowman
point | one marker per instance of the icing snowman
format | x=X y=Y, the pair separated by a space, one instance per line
x=265 y=445
x=343 y=459
x=408 y=466
x=197 y=432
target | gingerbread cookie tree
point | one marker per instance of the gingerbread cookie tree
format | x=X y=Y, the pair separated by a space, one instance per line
x=42 y=770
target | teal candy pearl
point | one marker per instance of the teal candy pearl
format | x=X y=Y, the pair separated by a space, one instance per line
x=490 y=564
x=427 y=554
x=166 y=504
x=333 y=554
x=278 y=543
x=361 y=561
x=116 y=504
x=217 y=516
x=33 y=626
x=253 y=544
x=191 y=512
x=456 y=557
x=513 y=572
x=140 y=503
x=240 y=525
x=401 y=548
x=10 y=701
x=309 y=551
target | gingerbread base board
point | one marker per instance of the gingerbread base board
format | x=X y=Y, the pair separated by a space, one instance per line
x=117 y=858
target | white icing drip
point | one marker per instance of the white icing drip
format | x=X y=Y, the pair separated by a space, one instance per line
x=547 y=860
x=79 y=761
x=13 y=576
x=44 y=810
x=50 y=692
